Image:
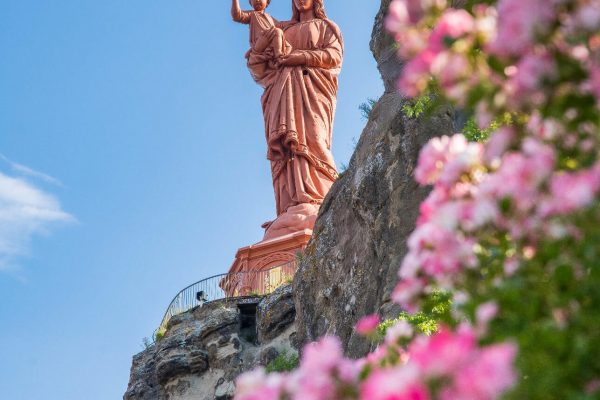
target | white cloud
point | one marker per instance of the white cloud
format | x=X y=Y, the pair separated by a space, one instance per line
x=22 y=169
x=25 y=210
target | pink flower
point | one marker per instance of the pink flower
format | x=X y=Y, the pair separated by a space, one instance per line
x=436 y=199
x=588 y=16
x=437 y=251
x=349 y=370
x=416 y=75
x=411 y=42
x=530 y=73
x=443 y=353
x=314 y=380
x=518 y=23
x=595 y=81
x=400 y=330
x=322 y=356
x=453 y=24
x=580 y=53
x=511 y=265
x=429 y=51
x=484 y=314
x=451 y=69
x=257 y=385
x=446 y=158
x=545 y=129
x=498 y=144
x=432 y=159
x=487 y=376
x=464 y=158
x=400 y=383
x=368 y=325
x=464 y=207
x=402 y=13
x=521 y=175
x=486 y=22
x=377 y=356
x=447 y=216
x=474 y=214
x=406 y=291
x=572 y=191
x=466 y=372
x=319 y=386
x=593 y=386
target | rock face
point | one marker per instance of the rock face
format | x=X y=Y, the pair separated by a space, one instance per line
x=351 y=263
x=204 y=350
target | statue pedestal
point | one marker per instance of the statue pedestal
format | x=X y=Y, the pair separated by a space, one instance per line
x=263 y=267
x=271 y=253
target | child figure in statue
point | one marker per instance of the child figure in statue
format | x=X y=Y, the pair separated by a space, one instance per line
x=267 y=43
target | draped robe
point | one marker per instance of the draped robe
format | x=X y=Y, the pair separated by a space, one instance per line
x=299 y=105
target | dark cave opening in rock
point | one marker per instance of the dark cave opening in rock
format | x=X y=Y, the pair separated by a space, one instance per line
x=248 y=330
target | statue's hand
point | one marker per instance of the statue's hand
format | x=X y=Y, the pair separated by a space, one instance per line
x=269 y=53
x=294 y=59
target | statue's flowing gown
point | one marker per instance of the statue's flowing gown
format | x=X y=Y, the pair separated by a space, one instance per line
x=299 y=106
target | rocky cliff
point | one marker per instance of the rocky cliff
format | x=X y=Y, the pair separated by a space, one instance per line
x=349 y=269
x=204 y=350
x=351 y=264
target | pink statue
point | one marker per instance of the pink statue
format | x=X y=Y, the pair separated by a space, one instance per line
x=299 y=101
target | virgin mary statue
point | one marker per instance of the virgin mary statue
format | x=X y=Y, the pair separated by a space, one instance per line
x=299 y=104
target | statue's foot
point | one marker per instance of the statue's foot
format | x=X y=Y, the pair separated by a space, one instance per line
x=295 y=219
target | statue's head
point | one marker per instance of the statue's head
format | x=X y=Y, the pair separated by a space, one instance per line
x=303 y=5
x=260 y=5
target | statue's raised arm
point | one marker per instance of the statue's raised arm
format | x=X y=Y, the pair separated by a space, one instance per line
x=267 y=44
x=237 y=14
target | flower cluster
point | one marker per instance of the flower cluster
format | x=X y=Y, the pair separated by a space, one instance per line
x=510 y=58
x=446 y=365
x=522 y=208
x=324 y=374
x=471 y=185
x=515 y=54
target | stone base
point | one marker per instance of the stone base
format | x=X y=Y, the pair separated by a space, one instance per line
x=263 y=267
x=271 y=253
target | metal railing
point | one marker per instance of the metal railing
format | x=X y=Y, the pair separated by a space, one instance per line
x=227 y=286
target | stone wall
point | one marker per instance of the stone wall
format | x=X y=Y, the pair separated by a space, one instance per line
x=204 y=350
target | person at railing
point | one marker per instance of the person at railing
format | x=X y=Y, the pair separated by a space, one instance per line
x=201 y=297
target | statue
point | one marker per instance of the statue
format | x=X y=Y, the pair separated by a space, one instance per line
x=297 y=63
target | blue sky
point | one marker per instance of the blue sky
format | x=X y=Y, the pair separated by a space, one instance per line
x=132 y=164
